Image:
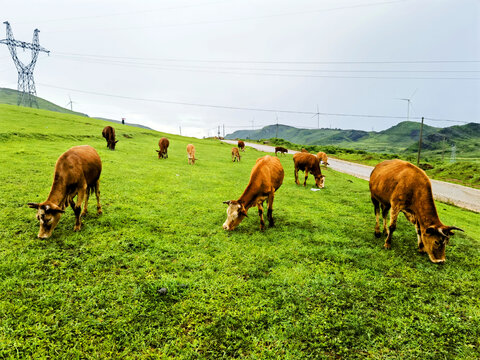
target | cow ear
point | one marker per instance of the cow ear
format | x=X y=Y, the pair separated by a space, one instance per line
x=116 y=141
x=33 y=205
x=431 y=230
x=157 y=151
x=243 y=212
x=53 y=209
x=227 y=202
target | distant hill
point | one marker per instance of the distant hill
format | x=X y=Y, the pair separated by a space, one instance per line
x=402 y=137
x=10 y=96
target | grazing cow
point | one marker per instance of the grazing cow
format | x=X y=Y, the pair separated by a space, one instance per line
x=191 y=154
x=235 y=154
x=241 y=145
x=163 y=145
x=108 y=133
x=397 y=185
x=323 y=158
x=308 y=163
x=305 y=151
x=266 y=177
x=77 y=173
x=279 y=149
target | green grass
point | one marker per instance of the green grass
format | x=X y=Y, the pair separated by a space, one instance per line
x=318 y=285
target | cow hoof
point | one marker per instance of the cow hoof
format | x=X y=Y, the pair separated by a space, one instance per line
x=99 y=212
x=84 y=213
x=377 y=234
x=387 y=246
x=77 y=228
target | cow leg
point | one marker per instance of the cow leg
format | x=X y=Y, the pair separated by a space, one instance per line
x=391 y=228
x=78 y=207
x=270 y=209
x=85 y=205
x=260 y=213
x=97 y=194
x=419 y=238
x=385 y=209
x=306 y=177
x=296 y=176
x=376 y=206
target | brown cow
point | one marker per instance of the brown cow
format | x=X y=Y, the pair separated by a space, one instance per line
x=305 y=151
x=397 y=185
x=279 y=149
x=323 y=158
x=77 y=173
x=308 y=163
x=191 y=154
x=241 y=145
x=235 y=154
x=163 y=144
x=108 y=133
x=266 y=177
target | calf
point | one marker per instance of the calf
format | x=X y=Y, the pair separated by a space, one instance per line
x=397 y=185
x=308 y=163
x=266 y=177
x=305 y=151
x=279 y=149
x=235 y=154
x=241 y=145
x=108 y=133
x=191 y=154
x=323 y=158
x=77 y=173
x=163 y=144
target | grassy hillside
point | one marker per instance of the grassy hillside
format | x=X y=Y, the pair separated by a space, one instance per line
x=10 y=97
x=401 y=138
x=318 y=285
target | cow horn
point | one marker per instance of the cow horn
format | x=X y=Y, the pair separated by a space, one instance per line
x=227 y=202
x=440 y=230
x=455 y=228
x=33 y=205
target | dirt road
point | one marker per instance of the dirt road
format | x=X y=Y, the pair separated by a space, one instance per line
x=459 y=195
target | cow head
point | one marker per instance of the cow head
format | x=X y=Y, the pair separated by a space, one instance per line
x=235 y=214
x=111 y=144
x=48 y=214
x=435 y=239
x=320 y=181
x=160 y=154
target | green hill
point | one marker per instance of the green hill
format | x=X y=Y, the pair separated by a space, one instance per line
x=10 y=96
x=400 y=138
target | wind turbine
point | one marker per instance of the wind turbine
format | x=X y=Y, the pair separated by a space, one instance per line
x=70 y=103
x=408 y=100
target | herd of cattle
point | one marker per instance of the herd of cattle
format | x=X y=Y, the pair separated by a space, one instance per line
x=395 y=186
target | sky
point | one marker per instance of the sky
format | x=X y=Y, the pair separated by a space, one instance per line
x=190 y=66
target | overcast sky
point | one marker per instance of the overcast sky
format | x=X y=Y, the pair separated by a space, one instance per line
x=355 y=57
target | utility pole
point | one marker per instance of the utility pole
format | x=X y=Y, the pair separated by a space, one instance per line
x=218 y=131
x=276 y=134
x=420 y=143
x=223 y=130
x=253 y=124
x=26 y=84
x=443 y=148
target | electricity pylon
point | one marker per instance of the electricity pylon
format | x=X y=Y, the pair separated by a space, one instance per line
x=26 y=84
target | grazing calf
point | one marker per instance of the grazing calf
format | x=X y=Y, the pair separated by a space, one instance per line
x=279 y=149
x=308 y=163
x=397 y=185
x=191 y=154
x=108 y=133
x=266 y=177
x=241 y=145
x=235 y=154
x=323 y=158
x=163 y=144
x=77 y=173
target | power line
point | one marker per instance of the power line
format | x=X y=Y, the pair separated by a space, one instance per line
x=220 y=71
x=245 y=108
x=311 y=62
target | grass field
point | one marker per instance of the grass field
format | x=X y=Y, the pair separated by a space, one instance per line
x=318 y=285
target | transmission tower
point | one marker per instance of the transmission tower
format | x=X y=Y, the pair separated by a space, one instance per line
x=26 y=85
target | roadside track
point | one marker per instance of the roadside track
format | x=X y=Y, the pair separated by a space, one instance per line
x=462 y=196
